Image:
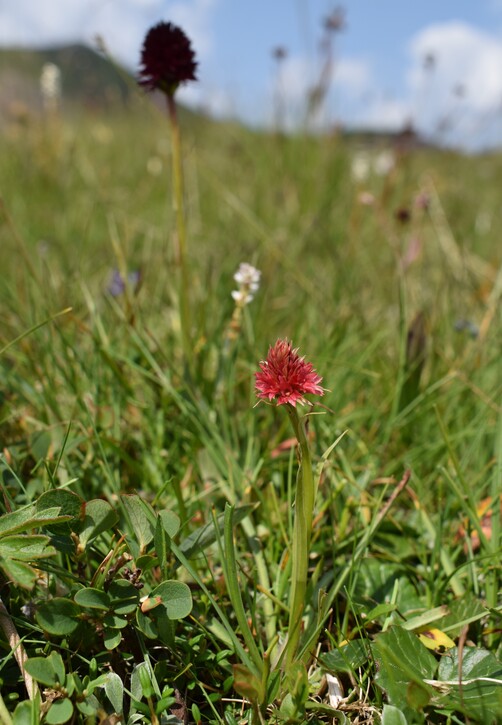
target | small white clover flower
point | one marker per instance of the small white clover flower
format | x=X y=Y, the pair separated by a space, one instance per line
x=248 y=279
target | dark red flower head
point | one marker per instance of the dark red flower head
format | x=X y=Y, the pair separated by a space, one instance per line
x=167 y=59
x=286 y=376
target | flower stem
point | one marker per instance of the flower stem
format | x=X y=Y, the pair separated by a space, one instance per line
x=302 y=529
x=181 y=244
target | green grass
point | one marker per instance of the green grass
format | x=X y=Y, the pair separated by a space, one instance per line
x=97 y=400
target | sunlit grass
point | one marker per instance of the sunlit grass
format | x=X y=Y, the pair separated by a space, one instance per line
x=96 y=398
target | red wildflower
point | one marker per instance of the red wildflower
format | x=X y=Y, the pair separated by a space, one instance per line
x=286 y=376
x=167 y=59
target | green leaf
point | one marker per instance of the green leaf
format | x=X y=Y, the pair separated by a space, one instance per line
x=176 y=599
x=92 y=598
x=23 y=575
x=27 y=712
x=58 y=616
x=200 y=539
x=115 y=621
x=142 y=519
x=99 y=516
x=161 y=543
x=59 y=712
x=112 y=638
x=460 y=612
x=57 y=665
x=69 y=505
x=114 y=690
x=29 y=518
x=403 y=661
x=124 y=596
x=146 y=626
x=247 y=684
x=480 y=696
x=42 y=670
x=393 y=716
x=26 y=547
x=40 y=443
x=170 y=522
x=377 y=581
x=347 y=658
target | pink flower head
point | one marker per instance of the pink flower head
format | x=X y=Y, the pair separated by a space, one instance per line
x=286 y=376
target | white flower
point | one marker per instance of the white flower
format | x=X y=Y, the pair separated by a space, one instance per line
x=248 y=279
x=361 y=166
x=50 y=83
x=384 y=163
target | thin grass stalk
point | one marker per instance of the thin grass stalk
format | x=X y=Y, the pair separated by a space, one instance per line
x=234 y=592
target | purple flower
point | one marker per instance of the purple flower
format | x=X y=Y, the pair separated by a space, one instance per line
x=167 y=59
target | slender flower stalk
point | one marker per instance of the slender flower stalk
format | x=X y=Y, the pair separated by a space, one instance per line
x=287 y=377
x=167 y=61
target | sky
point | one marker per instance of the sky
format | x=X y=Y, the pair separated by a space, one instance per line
x=434 y=64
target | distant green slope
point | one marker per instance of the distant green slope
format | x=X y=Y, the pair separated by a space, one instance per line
x=86 y=76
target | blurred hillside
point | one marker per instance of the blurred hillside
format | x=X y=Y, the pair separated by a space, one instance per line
x=87 y=78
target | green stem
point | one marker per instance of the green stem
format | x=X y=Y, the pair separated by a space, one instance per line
x=302 y=529
x=181 y=245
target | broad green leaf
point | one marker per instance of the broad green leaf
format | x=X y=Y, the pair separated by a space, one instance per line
x=26 y=547
x=459 y=613
x=21 y=574
x=40 y=443
x=146 y=626
x=247 y=684
x=124 y=596
x=99 y=516
x=114 y=621
x=93 y=598
x=393 y=716
x=176 y=599
x=403 y=661
x=114 y=689
x=347 y=658
x=142 y=520
x=27 y=713
x=42 y=670
x=58 y=616
x=59 y=712
x=29 y=518
x=170 y=521
x=200 y=539
x=57 y=665
x=69 y=505
x=480 y=696
x=89 y=707
x=377 y=580
x=112 y=638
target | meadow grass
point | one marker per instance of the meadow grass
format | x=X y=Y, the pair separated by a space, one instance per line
x=97 y=400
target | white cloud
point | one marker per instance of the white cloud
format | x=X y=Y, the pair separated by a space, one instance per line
x=352 y=74
x=466 y=59
x=121 y=23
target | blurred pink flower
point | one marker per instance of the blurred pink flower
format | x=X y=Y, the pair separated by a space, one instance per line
x=286 y=376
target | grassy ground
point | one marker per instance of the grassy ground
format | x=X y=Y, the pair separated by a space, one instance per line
x=119 y=458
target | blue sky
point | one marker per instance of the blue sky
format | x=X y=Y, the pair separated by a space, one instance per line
x=378 y=78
